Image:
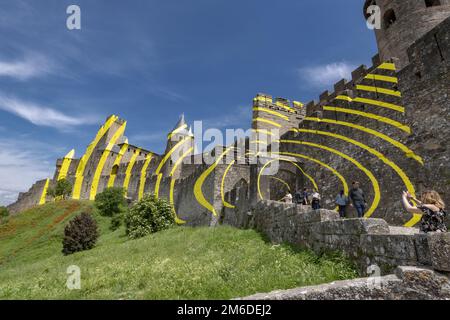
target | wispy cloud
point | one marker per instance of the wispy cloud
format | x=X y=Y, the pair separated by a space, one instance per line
x=27 y=68
x=325 y=75
x=42 y=115
x=22 y=163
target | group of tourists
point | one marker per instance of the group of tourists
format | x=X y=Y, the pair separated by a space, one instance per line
x=430 y=206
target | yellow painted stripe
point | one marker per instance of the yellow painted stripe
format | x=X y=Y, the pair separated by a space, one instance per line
x=275 y=113
x=104 y=157
x=293 y=163
x=263 y=99
x=198 y=192
x=387 y=66
x=345 y=98
x=373 y=102
x=169 y=154
x=322 y=164
x=158 y=182
x=379 y=77
x=264 y=131
x=66 y=165
x=130 y=167
x=112 y=177
x=79 y=176
x=172 y=185
x=380 y=104
x=373 y=180
x=408 y=152
x=222 y=186
x=282 y=181
x=391 y=122
x=379 y=90
x=414 y=220
x=170 y=135
x=406 y=181
x=143 y=177
x=298 y=104
x=43 y=197
x=284 y=106
x=267 y=121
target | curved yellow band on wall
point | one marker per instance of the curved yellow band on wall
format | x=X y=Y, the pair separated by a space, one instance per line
x=408 y=152
x=112 y=176
x=387 y=66
x=79 y=176
x=130 y=167
x=285 y=160
x=102 y=161
x=174 y=132
x=222 y=187
x=198 y=192
x=66 y=165
x=172 y=184
x=379 y=90
x=391 y=122
x=372 y=102
x=164 y=160
x=143 y=177
x=320 y=163
x=379 y=77
x=373 y=180
x=406 y=181
x=43 y=197
x=273 y=123
x=272 y=112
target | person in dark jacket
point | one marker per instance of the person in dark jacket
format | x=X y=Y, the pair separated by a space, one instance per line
x=358 y=198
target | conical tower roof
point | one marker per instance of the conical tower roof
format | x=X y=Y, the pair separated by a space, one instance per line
x=180 y=123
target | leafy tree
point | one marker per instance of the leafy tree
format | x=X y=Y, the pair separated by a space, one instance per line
x=147 y=216
x=4 y=213
x=62 y=190
x=111 y=202
x=80 y=234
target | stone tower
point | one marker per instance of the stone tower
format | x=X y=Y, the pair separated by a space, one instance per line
x=403 y=22
x=179 y=141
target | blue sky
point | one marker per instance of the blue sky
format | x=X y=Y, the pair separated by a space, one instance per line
x=148 y=61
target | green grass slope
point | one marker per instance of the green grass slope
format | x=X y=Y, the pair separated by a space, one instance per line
x=180 y=263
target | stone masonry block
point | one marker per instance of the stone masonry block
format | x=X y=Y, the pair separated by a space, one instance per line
x=317 y=216
x=355 y=226
x=439 y=244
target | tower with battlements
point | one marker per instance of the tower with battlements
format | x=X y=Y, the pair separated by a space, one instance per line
x=403 y=22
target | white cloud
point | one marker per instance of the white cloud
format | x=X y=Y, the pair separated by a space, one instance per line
x=27 y=68
x=22 y=163
x=326 y=75
x=40 y=115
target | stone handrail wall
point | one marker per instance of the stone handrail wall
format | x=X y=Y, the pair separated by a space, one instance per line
x=367 y=242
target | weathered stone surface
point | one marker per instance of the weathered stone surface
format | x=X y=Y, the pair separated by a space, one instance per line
x=317 y=216
x=439 y=244
x=406 y=283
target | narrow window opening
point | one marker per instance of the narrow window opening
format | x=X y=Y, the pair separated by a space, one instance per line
x=432 y=3
x=389 y=18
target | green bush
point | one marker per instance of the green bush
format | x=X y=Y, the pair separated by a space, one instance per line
x=147 y=216
x=4 y=214
x=111 y=202
x=80 y=234
x=62 y=190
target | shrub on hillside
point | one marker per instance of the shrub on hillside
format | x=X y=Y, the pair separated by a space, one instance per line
x=80 y=234
x=111 y=202
x=4 y=213
x=62 y=190
x=147 y=216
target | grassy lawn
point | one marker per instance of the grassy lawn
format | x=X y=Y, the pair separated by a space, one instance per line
x=180 y=263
